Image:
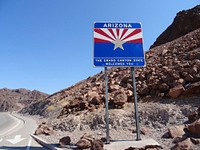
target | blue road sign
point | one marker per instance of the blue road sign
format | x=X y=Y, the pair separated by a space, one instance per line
x=118 y=44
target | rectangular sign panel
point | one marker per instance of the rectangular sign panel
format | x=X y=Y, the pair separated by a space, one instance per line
x=118 y=44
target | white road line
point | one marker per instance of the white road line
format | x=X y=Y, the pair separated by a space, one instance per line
x=29 y=144
x=10 y=129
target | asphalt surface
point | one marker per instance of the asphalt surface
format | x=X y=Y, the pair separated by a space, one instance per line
x=15 y=133
x=8 y=123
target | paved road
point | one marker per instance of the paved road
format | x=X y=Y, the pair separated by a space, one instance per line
x=15 y=133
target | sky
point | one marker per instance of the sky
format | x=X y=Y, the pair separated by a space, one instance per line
x=47 y=45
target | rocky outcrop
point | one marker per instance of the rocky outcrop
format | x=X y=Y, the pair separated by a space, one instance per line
x=15 y=99
x=184 y=22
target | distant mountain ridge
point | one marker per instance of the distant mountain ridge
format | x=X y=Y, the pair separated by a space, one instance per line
x=184 y=22
x=15 y=99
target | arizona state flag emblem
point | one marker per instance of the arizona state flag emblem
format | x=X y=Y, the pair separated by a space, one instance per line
x=118 y=44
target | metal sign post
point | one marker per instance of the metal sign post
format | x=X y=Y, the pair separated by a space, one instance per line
x=135 y=105
x=118 y=45
x=107 y=114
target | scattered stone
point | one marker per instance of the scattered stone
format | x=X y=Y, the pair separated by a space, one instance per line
x=144 y=130
x=176 y=131
x=88 y=137
x=38 y=131
x=184 y=145
x=179 y=139
x=83 y=144
x=194 y=128
x=65 y=141
x=120 y=98
x=193 y=116
x=176 y=91
x=44 y=129
x=97 y=145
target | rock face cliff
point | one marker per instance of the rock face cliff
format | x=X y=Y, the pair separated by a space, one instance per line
x=184 y=22
x=16 y=99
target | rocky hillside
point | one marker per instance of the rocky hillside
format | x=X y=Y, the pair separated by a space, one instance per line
x=172 y=70
x=184 y=22
x=17 y=98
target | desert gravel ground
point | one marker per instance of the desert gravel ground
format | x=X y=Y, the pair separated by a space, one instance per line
x=155 y=118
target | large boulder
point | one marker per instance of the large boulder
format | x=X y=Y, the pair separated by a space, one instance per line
x=119 y=98
x=176 y=91
x=176 y=131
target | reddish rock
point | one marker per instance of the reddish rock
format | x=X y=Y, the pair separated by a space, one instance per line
x=193 y=89
x=48 y=131
x=95 y=100
x=88 y=137
x=83 y=105
x=74 y=103
x=97 y=145
x=38 y=131
x=44 y=129
x=184 y=145
x=145 y=90
x=65 y=141
x=176 y=91
x=144 y=131
x=174 y=74
x=189 y=78
x=193 y=116
x=83 y=144
x=179 y=139
x=114 y=87
x=176 y=131
x=163 y=87
x=194 y=128
x=120 y=98
x=91 y=94
x=194 y=70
